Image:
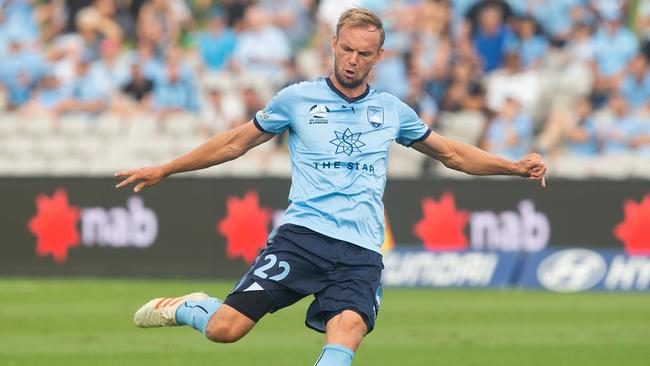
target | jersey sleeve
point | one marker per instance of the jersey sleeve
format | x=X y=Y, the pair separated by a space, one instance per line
x=411 y=127
x=276 y=116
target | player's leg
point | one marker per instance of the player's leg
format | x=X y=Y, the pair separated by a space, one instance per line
x=347 y=309
x=218 y=321
x=344 y=333
x=347 y=329
x=238 y=315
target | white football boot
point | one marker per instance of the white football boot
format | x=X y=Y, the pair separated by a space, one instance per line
x=161 y=311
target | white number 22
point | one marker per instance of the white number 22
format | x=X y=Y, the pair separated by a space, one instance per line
x=261 y=272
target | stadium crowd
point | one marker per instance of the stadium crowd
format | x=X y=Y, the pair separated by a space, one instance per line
x=87 y=84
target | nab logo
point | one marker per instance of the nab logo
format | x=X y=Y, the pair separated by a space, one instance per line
x=55 y=225
x=376 y=116
x=572 y=270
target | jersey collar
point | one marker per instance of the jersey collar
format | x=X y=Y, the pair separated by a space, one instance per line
x=340 y=93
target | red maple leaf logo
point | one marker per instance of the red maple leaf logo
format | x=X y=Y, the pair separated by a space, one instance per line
x=634 y=231
x=442 y=226
x=245 y=226
x=55 y=225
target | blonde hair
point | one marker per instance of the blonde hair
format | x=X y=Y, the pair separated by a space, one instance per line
x=361 y=17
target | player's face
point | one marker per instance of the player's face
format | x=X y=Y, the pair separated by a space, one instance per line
x=356 y=50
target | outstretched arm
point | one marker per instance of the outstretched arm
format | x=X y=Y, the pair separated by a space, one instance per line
x=218 y=149
x=472 y=160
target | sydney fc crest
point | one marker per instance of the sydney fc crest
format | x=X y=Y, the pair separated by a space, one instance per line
x=376 y=116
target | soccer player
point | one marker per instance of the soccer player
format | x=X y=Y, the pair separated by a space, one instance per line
x=329 y=246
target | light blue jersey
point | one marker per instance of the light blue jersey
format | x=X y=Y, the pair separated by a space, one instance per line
x=339 y=154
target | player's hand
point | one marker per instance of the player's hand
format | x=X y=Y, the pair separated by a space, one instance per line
x=532 y=166
x=147 y=176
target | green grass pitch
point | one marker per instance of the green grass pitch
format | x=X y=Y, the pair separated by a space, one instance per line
x=88 y=322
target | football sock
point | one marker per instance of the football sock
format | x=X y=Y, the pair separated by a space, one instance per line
x=335 y=355
x=197 y=313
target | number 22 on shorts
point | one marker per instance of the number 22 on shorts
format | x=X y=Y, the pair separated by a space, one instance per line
x=272 y=260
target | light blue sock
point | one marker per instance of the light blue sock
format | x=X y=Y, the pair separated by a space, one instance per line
x=335 y=355
x=197 y=313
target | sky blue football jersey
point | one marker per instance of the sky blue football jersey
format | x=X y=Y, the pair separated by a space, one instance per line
x=339 y=154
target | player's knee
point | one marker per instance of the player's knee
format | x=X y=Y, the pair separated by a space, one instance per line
x=223 y=332
x=347 y=328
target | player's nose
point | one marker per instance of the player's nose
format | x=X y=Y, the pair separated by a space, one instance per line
x=354 y=58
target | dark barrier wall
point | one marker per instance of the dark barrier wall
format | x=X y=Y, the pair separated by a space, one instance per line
x=214 y=227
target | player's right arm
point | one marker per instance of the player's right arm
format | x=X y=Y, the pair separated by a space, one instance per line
x=220 y=148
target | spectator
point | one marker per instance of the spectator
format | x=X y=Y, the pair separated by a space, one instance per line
x=20 y=71
x=421 y=102
x=262 y=48
x=160 y=23
x=292 y=16
x=635 y=86
x=175 y=90
x=462 y=90
x=580 y=45
x=571 y=131
x=513 y=82
x=528 y=41
x=571 y=139
x=509 y=133
x=145 y=55
x=88 y=94
x=125 y=14
x=110 y=72
x=135 y=96
x=489 y=38
x=614 y=47
x=555 y=16
x=390 y=74
x=47 y=100
x=93 y=28
x=473 y=14
x=19 y=21
x=139 y=87
x=580 y=134
x=432 y=47
x=217 y=43
x=624 y=127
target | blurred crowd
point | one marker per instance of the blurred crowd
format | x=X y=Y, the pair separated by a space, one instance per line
x=567 y=78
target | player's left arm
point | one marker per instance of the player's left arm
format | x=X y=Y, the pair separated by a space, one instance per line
x=472 y=160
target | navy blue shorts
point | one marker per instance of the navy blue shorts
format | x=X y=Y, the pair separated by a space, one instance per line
x=299 y=262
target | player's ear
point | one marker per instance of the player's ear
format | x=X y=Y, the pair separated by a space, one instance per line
x=380 y=54
x=334 y=43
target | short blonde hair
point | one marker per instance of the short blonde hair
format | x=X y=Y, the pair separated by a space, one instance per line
x=361 y=17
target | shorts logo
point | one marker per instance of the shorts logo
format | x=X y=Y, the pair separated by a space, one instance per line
x=376 y=116
x=347 y=142
x=318 y=113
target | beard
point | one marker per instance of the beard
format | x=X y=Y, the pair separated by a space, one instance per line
x=347 y=82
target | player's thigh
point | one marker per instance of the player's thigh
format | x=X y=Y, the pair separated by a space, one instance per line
x=356 y=287
x=282 y=274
